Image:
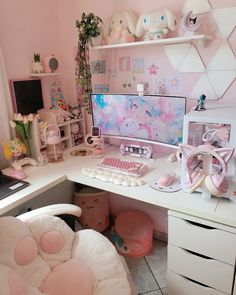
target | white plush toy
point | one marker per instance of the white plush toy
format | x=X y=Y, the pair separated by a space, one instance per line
x=122 y=28
x=155 y=24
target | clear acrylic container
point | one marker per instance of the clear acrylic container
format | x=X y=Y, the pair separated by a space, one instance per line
x=54 y=146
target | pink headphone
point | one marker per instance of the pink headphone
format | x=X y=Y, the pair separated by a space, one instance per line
x=216 y=182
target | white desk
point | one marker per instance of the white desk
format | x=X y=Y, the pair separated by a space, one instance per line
x=45 y=177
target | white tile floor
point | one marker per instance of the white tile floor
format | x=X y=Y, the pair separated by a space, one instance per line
x=149 y=272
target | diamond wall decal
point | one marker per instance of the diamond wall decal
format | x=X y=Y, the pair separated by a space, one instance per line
x=192 y=62
x=224 y=59
x=199 y=6
x=221 y=81
x=177 y=53
x=203 y=86
x=226 y=20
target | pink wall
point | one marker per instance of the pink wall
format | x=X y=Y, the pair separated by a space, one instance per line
x=27 y=27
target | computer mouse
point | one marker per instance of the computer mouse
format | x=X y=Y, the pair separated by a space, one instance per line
x=166 y=180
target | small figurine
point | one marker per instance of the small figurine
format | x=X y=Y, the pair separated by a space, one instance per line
x=76 y=134
x=201 y=103
x=190 y=24
x=75 y=112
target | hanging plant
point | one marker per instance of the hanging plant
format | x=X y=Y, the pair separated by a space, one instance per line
x=88 y=27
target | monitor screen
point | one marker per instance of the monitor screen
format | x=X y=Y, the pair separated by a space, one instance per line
x=27 y=96
x=155 y=118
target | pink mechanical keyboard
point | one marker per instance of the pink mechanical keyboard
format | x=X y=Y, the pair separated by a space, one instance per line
x=130 y=168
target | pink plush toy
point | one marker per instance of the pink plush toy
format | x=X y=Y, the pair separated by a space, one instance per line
x=122 y=28
x=95 y=209
x=134 y=233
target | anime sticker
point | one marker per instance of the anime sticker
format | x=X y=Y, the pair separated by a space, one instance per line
x=153 y=69
x=174 y=83
x=57 y=97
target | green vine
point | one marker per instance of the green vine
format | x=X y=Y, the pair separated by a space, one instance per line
x=88 y=27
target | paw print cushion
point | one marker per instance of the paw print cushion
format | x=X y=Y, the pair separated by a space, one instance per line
x=11 y=283
x=19 y=251
x=35 y=259
x=71 y=277
x=54 y=238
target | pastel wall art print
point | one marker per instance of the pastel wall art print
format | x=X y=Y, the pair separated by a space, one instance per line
x=138 y=65
x=57 y=97
x=153 y=118
x=98 y=67
x=101 y=88
x=124 y=64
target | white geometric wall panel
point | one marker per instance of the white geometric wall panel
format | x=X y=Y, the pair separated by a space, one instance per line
x=224 y=59
x=221 y=81
x=226 y=20
x=176 y=53
x=203 y=86
x=197 y=6
x=185 y=58
x=192 y=62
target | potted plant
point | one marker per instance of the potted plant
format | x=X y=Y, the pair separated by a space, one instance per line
x=37 y=66
x=88 y=27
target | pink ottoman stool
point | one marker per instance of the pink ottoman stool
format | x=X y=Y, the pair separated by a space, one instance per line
x=133 y=233
x=95 y=208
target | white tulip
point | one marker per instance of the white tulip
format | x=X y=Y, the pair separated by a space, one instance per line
x=25 y=120
x=12 y=124
x=19 y=117
x=30 y=117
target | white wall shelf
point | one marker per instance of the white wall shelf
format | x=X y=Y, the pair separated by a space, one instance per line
x=45 y=75
x=168 y=41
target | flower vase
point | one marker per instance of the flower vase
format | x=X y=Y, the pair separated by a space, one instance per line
x=27 y=144
x=95 y=41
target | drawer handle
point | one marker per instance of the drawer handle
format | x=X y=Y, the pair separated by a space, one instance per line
x=199 y=224
x=196 y=282
x=197 y=254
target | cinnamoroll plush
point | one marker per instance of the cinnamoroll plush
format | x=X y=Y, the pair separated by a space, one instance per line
x=122 y=28
x=155 y=24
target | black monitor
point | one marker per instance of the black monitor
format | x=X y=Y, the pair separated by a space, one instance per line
x=27 y=96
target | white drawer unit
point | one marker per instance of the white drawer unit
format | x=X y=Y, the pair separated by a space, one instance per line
x=234 y=292
x=202 y=238
x=209 y=272
x=201 y=256
x=180 y=285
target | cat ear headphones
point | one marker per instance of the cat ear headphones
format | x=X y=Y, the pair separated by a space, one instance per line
x=215 y=182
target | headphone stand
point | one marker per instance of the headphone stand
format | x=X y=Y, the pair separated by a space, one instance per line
x=207 y=166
